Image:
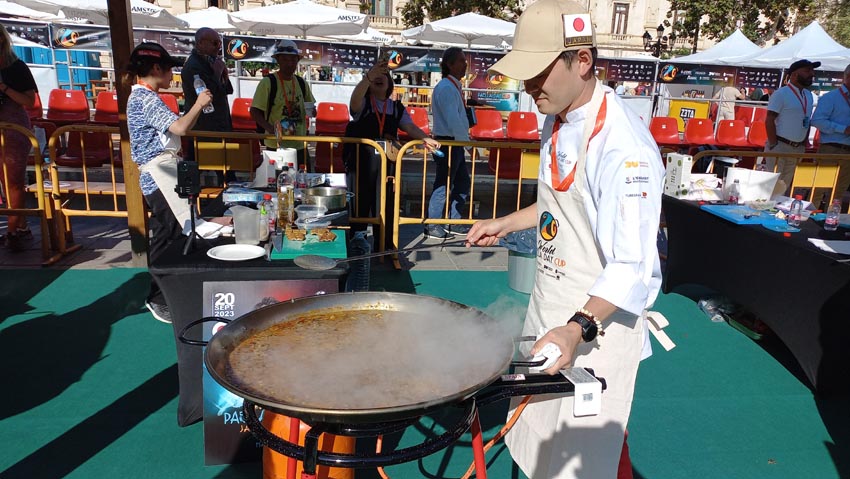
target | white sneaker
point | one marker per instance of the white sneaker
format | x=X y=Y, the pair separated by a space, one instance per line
x=160 y=312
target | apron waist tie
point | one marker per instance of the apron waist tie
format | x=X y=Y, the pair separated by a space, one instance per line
x=656 y=323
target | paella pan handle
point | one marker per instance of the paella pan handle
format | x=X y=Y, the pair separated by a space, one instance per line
x=194 y=342
x=526 y=364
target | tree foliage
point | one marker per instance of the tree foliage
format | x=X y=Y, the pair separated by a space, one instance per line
x=835 y=19
x=414 y=12
x=760 y=20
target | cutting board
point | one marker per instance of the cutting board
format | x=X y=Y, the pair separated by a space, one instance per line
x=736 y=213
x=312 y=245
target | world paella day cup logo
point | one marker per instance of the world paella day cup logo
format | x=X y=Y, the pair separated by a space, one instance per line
x=238 y=48
x=66 y=37
x=668 y=72
x=548 y=226
x=395 y=59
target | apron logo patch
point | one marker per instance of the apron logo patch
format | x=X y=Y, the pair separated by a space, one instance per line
x=548 y=226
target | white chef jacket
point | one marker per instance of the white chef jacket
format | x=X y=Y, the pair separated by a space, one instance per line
x=624 y=178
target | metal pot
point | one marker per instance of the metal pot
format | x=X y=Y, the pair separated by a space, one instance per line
x=358 y=357
x=334 y=199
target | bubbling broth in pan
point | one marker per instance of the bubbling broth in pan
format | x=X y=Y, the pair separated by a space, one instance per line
x=368 y=359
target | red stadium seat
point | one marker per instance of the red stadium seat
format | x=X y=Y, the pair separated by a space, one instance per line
x=699 y=132
x=65 y=107
x=331 y=118
x=97 y=145
x=732 y=134
x=665 y=131
x=489 y=125
x=106 y=108
x=522 y=126
x=419 y=116
x=170 y=101
x=757 y=136
x=240 y=115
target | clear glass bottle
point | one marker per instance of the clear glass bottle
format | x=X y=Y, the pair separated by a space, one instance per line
x=795 y=215
x=200 y=86
x=832 y=216
x=265 y=209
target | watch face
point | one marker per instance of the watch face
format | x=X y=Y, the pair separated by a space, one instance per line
x=590 y=332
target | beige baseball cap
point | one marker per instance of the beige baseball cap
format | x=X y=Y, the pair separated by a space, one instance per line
x=544 y=30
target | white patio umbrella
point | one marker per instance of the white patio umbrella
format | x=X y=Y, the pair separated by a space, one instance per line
x=144 y=14
x=212 y=17
x=300 y=18
x=468 y=28
x=15 y=10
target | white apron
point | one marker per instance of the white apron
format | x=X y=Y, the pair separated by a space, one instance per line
x=548 y=441
x=163 y=169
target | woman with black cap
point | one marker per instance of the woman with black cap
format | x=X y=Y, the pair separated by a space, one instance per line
x=155 y=133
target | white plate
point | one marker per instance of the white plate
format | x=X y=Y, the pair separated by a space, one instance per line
x=236 y=252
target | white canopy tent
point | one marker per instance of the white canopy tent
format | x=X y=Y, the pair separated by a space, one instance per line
x=96 y=11
x=725 y=52
x=15 y=10
x=300 y=18
x=811 y=43
x=470 y=29
x=211 y=17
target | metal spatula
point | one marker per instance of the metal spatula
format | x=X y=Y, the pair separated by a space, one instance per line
x=318 y=262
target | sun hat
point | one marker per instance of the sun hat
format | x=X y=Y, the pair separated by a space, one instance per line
x=286 y=47
x=544 y=30
x=153 y=52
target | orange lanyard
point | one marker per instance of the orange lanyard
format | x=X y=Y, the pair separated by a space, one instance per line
x=568 y=181
x=459 y=90
x=804 y=102
x=283 y=92
x=382 y=115
x=146 y=85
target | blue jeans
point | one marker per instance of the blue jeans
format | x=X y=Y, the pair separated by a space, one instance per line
x=460 y=183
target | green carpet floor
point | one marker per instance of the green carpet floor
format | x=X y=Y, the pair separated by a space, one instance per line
x=90 y=390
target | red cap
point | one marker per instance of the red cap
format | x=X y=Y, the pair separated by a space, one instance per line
x=798 y=197
x=786 y=234
x=267 y=196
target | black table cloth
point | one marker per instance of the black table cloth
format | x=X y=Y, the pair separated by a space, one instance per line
x=799 y=291
x=182 y=278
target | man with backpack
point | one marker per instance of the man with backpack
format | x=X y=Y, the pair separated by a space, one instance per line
x=282 y=102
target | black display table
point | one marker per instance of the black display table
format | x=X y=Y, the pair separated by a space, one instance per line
x=799 y=291
x=182 y=279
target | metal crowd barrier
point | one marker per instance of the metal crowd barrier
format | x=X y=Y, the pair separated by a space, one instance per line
x=42 y=210
x=523 y=168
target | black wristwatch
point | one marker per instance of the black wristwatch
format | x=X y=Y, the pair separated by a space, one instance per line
x=589 y=329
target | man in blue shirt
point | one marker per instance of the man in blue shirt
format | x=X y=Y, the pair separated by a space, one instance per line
x=448 y=107
x=832 y=119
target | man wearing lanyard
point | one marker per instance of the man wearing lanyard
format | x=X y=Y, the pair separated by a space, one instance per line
x=285 y=113
x=789 y=114
x=450 y=123
x=596 y=216
x=832 y=119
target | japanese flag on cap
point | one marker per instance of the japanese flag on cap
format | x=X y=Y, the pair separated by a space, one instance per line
x=577 y=30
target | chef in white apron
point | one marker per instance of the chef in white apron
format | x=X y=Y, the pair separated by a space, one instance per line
x=597 y=215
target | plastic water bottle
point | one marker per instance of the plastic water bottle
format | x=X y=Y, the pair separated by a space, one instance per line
x=358 y=275
x=272 y=173
x=301 y=178
x=285 y=199
x=796 y=213
x=292 y=172
x=268 y=216
x=735 y=192
x=200 y=87
x=831 y=222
